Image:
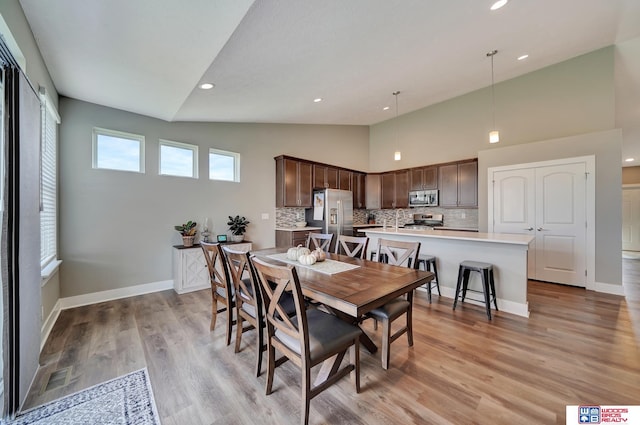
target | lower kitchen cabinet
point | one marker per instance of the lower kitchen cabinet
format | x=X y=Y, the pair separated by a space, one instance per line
x=289 y=238
x=190 y=271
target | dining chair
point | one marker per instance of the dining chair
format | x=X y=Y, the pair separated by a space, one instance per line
x=248 y=301
x=352 y=246
x=397 y=253
x=308 y=338
x=319 y=240
x=221 y=286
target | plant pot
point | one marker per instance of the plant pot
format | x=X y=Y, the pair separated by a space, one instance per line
x=187 y=241
x=237 y=238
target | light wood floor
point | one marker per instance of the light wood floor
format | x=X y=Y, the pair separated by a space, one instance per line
x=578 y=347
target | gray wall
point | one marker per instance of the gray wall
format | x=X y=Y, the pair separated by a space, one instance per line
x=573 y=97
x=606 y=147
x=116 y=228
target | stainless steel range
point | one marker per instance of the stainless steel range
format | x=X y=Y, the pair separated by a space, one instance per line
x=425 y=221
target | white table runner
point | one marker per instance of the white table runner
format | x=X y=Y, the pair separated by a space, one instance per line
x=327 y=266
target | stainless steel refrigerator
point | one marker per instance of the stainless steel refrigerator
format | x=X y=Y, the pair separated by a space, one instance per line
x=332 y=211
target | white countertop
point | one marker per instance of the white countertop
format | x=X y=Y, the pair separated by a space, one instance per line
x=297 y=229
x=506 y=238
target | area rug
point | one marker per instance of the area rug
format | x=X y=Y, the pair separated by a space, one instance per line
x=127 y=400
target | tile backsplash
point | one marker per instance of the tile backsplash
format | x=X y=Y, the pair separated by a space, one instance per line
x=453 y=217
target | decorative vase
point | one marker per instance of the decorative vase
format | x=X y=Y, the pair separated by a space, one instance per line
x=237 y=238
x=187 y=241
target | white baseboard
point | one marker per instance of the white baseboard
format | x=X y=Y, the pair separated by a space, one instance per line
x=519 y=309
x=114 y=294
x=609 y=288
x=48 y=324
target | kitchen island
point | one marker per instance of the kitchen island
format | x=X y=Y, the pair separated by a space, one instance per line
x=507 y=253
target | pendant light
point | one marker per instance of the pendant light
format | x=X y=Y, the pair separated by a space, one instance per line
x=397 y=156
x=494 y=135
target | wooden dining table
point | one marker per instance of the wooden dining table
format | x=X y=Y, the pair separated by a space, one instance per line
x=353 y=293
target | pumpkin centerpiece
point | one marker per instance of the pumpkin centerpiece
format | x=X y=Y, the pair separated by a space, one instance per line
x=307 y=259
x=295 y=252
x=319 y=254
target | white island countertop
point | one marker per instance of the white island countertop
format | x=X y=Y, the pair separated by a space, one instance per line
x=506 y=238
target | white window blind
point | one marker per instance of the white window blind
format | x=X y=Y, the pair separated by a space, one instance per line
x=48 y=182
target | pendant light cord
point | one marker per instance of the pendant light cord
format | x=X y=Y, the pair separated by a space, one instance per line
x=491 y=54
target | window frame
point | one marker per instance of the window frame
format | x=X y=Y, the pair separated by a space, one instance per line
x=97 y=131
x=48 y=185
x=236 y=164
x=180 y=145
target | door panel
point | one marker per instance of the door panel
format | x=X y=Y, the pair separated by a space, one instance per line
x=631 y=219
x=561 y=224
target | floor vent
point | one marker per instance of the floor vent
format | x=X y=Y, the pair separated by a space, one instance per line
x=57 y=379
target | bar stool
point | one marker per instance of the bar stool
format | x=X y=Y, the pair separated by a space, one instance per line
x=429 y=261
x=488 y=284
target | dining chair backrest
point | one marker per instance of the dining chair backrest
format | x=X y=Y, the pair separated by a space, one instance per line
x=398 y=253
x=218 y=269
x=275 y=282
x=352 y=246
x=319 y=240
x=240 y=272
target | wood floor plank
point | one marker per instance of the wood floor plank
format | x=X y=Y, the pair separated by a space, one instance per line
x=577 y=347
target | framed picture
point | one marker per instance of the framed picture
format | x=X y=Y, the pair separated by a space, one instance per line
x=222 y=238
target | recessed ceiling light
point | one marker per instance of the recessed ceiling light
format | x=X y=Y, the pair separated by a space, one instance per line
x=497 y=5
x=629 y=160
x=207 y=86
x=317 y=99
x=386 y=108
x=523 y=57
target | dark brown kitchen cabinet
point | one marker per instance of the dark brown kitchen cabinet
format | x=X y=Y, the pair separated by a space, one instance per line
x=458 y=184
x=325 y=177
x=358 y=186
x=423 y=178
x=344 y=179
x=373 y=192
x=285 y=238
x=293 y=183
x=395 y=189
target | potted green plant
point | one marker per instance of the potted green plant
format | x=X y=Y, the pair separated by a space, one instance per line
x=188 y=232
x=238 y=226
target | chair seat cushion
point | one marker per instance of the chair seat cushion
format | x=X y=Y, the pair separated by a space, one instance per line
x=391 y=310
x=326 y=334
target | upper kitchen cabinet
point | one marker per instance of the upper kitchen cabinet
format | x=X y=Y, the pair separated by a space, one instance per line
x=373 y=191
x=358 y=186
x=458 y=184
x=423 y=178
x=394 y=189
x=344 y=180
x=293 y=182
x=325 y=177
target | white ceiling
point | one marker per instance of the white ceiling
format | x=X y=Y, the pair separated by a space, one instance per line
x=270 y=58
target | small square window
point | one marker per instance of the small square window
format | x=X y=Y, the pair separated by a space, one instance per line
x=116 y=150
x=224 y=165
x=178 y=159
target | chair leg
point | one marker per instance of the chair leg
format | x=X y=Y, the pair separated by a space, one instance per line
x=410 y=319
x=493 y=289
x=229 y=321
x=271 y=366
x=455 y=300
x=386 y=343
x=465 y=283
x=259 y=347
x=435 y=272
x=306 y=393
x=485 y=289
x=427 y=267
x=214 y=311
x=239 y=330
x=354 y=358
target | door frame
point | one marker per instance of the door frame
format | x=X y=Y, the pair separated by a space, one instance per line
x=590 y=205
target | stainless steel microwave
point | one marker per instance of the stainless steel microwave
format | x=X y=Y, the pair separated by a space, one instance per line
x=423 y=198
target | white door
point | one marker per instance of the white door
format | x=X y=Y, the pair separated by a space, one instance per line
x=561 y=224
x=547 y=202
x=514 y=209
x=631 y=219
